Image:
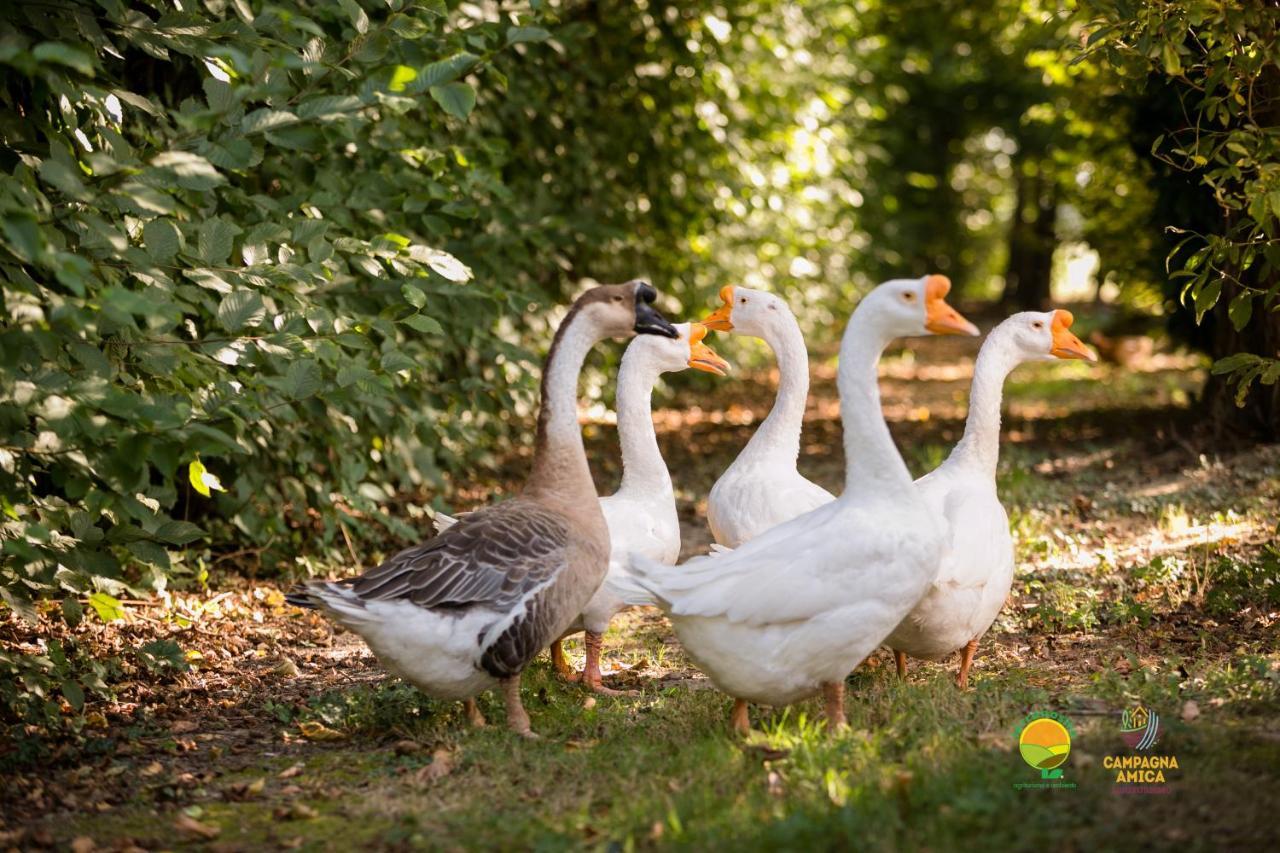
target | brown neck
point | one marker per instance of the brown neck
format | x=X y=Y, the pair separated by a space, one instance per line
x=560 y=474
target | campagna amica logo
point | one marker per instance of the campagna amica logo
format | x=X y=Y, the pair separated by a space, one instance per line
x=1044 y=742
x=1145 y=772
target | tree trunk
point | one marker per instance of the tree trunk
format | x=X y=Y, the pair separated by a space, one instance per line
x=1031 y=242
x=1259 y=417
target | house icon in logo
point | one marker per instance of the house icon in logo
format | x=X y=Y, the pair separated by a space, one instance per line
x=1139 y=727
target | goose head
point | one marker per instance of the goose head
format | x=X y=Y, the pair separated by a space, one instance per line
x=671 y=355
x=623 y=310
x=1044 y=335
x=911 y=307
x=748 y=312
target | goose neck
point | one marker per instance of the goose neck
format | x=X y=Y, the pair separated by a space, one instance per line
x=560 y=473
x=779 y=434
x=872 y=462
x=979 y=447
x=644 y=473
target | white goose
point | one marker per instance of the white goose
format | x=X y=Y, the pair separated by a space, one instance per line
x=762 y=488
x=642 y=514
x=977 y=568
x=469 y=609
x=793 y=611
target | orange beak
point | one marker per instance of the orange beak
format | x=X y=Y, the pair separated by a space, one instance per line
x=721 y=319
x=939 y=317
x=701 y=356
x=1065 y=344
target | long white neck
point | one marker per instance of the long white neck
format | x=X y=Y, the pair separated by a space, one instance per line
x=779 y=436
x=644 y=473
x=872 y=461
x=979 y=447
x=560 y=471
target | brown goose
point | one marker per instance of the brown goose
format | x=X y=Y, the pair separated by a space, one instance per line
x=470 y=608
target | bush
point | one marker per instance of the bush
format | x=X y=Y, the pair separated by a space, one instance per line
x=229 y=244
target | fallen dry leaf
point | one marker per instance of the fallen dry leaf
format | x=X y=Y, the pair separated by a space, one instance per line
x=296 y=811
x=290 y=772
x=179 y=727
x=83 y=844
x=1190 y=710
x=312 y=730
x=407 y=747
x=287 y=668
x=441 y=765
x=191 y=826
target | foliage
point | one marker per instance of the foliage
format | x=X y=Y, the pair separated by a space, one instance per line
x=230 y=242
x=1220 y=60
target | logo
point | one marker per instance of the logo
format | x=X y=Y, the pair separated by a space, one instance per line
x=1044 y=742
x=1140 y=727
x=1145 y=772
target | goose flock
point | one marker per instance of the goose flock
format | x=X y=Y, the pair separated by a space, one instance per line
x=800 y=585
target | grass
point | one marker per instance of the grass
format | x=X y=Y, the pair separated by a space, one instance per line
x=1148 y=573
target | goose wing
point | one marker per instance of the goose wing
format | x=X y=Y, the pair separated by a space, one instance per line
x=791 y=573
x=494 y=557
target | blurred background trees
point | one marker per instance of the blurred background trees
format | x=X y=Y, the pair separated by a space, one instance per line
x=305 y=252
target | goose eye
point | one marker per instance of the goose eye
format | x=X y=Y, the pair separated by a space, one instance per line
x=742 y=301
x=1037 y=325
x=617 y=299
x=909 y=296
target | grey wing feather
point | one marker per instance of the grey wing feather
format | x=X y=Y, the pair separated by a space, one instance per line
x=492 y=557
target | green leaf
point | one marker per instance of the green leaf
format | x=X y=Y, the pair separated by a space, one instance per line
x=216 y=237
x=519 y=35
x=353 y=373
x=178 y=532
x=1172 y=62
x=74 y=694
x=203 y=480
x=329 y=107
x=22 y=235
x=303 y=379
x=1235 y=362
x=240 y=309
x=190 y=171
x=457 y=99
x=162 y=239
x=63 y=177
x=401 y=77
x=358 y=18
x=1241 y=309
x=414 y=296
x=62 y=54
x=108 y=608
x=72 y=612
x=423 y=323
x=446 y=70
x=1207 y=297
x=395 y=361
x=260 y=121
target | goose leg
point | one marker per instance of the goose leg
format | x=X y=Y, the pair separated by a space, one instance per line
x=900 y=658
x=966 y=661
x=560 y=661
x=517 y=718
x=833 y=696
x=591 y=678
x=474 y=717
x=740 y=718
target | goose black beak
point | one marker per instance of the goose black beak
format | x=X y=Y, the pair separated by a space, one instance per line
x=649 y=321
